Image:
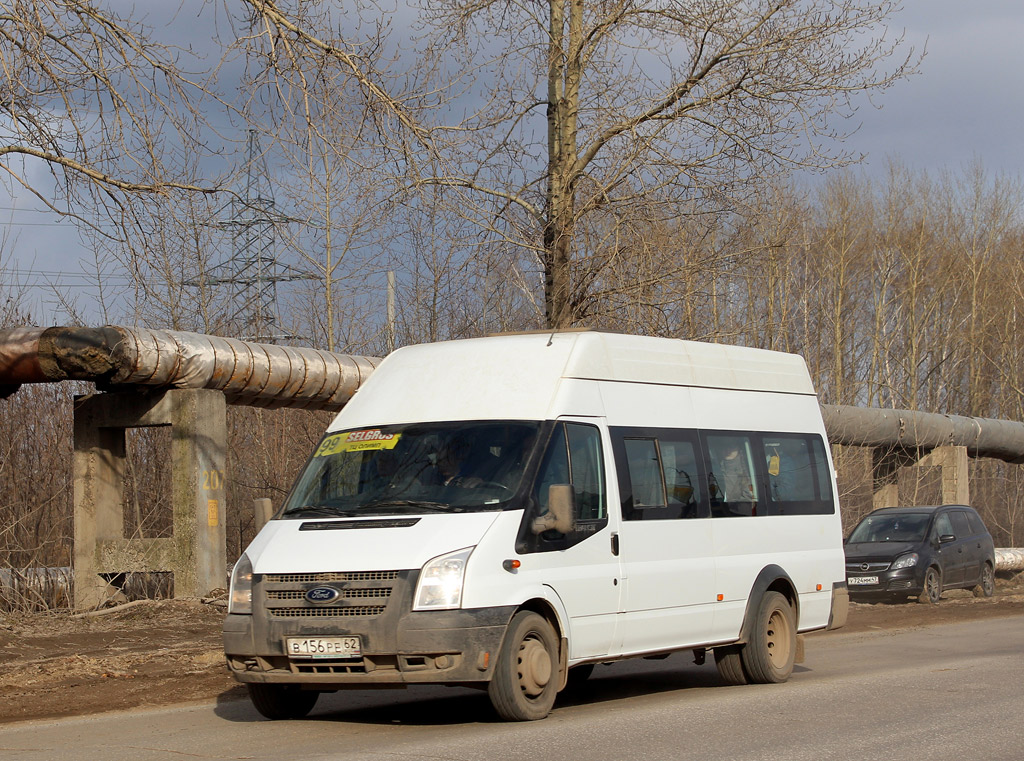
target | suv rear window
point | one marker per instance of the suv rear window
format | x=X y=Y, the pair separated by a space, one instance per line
x=977 y=527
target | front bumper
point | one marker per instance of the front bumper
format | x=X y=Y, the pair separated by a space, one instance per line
x=449 y=647
x=399 y=646
x=898 y=583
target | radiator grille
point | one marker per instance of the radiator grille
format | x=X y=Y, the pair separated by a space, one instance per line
x=346 y=594
x=360 y=593
x=854 y=568
x=318 y=578
x=328 y=612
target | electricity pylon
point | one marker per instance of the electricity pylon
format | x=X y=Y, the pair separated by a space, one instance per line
x=253 y=270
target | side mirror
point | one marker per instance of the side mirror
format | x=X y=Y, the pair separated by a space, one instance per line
x=264 y=509
x=946 y=539
x=561 y=514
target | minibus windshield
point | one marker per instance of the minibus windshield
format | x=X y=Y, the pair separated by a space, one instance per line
x=421 y=467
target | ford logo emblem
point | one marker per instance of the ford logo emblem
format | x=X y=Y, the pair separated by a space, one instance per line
x=322 y=594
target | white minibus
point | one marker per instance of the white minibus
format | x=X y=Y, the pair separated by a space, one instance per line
x=507 y=512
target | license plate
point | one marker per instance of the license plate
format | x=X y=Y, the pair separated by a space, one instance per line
x=323 y=647
x=854 y=581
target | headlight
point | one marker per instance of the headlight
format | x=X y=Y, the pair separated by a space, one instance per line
x=240 y=598
x=905 y=561
x=440 y=584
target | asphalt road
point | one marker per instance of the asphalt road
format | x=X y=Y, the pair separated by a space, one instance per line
x=943 y=692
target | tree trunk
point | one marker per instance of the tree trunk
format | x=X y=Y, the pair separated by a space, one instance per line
x=564 y=76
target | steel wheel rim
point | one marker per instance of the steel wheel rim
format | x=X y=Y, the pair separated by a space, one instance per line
x=777 y=639
x=535 y=666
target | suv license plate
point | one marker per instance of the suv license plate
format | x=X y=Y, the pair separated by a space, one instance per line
x=323 y=647
x=854 y=581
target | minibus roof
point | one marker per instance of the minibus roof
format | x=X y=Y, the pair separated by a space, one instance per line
x=516 y=377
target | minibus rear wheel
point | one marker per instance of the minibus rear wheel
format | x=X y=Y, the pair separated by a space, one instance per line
x=730 y=665
x=525 y=679
x=769 y=655
x=282 y=701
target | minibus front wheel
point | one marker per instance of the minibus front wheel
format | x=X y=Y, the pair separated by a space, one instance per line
x=525 y=679
x=281 y=701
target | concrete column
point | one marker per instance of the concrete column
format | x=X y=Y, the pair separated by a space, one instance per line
x=953 y=462
x=199 y=441
x=98 y=467
x=195 y=553
x=941 y=475
x=887 y=496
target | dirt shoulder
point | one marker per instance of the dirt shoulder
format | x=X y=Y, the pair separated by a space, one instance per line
x=159 y=653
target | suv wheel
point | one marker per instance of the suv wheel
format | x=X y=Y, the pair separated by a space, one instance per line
x=987 y=587
x=932 y=590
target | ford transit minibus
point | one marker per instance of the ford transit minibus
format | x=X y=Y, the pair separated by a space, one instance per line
x=506 y=512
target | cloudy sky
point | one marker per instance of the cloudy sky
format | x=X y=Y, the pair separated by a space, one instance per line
x=965 y=104
x=967 y=100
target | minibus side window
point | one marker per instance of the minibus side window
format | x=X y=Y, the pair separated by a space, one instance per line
x=732 y=475
x=573 y=456
x=645 y=473
x=587 y=468
x=659 y=474
x=553 y=470
x=682 y=480
x=824 y=477
x=797 y=475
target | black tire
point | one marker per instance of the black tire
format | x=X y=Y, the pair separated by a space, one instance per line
x=987 y=586
x=525 y=677
x=769 y=656
x=282 y=701
x=730 y=665
x=932 y=590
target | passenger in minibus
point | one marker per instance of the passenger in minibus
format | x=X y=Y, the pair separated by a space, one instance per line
x=737 y=482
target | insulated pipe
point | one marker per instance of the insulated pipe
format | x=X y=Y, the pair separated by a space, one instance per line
x=281 y=376
x=19 y=357
x=873 y=427
x=250 y=373
x=1009 y=559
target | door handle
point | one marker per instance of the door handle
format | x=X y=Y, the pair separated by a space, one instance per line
x=615 y=543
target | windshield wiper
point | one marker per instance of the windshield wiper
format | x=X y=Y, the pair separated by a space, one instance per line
x=320 y=510
x=437 y=507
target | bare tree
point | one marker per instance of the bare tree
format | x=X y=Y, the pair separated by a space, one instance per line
x=579 y=113
x=671 y=106
x=98 y=101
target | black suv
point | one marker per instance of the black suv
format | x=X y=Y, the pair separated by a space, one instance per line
x=897 y=552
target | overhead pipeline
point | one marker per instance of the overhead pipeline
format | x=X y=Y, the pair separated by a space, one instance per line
x=267 y=375
x=907 y=429
x=262 y=375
